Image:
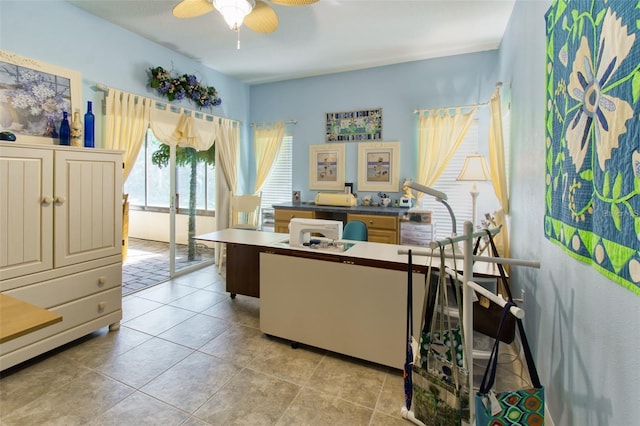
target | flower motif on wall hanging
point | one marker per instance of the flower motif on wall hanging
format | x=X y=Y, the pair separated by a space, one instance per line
x=181 y=87
x=602 y=114
x=592 y=162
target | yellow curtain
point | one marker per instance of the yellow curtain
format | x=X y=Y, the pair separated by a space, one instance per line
x=228 y=140
x=498 y=171
x=127 y=119
x=440 y=133
x=267 y=139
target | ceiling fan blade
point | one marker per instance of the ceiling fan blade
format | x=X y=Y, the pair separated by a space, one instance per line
x=293 y=2
x=192 y=8
x=262 y=19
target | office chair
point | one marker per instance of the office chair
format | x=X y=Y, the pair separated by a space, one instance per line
x=245 y=211
x=355 y=230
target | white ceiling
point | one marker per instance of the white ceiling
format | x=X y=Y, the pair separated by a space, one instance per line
x=326 y=37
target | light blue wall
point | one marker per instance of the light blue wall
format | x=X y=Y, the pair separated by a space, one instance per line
x=398 y=89
x=59 y=33
x=584 y=328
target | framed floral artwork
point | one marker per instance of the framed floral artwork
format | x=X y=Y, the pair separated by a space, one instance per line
x=378 y=166
x=326 y=167
x=33 y=96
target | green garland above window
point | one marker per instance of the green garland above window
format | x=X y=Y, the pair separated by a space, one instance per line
x=181 y=87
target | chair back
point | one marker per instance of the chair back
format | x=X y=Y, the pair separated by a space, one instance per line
x=245 y=211
x=355 y=230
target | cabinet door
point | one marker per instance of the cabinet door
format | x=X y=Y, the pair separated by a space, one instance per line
x=26 y=211
x=88 y=206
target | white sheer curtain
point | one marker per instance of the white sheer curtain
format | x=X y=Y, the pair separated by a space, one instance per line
x=499 y=172
x=228 y=140
x=127 y=119
x=172 y=126
x=440 y=132
x=267 y=139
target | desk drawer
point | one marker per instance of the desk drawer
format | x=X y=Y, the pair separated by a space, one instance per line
x=284 y=216
x=376 y=221
x=288 y=214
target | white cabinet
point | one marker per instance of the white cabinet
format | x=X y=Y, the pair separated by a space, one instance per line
x=60 y=240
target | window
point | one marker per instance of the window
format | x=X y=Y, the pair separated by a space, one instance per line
x=148 y=184
x=278 y=186
x=458 y=192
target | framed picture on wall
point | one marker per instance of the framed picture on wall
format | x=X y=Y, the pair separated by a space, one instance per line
x=378 y=166
x=33 y=95
x=326 y=167
x=354 y=126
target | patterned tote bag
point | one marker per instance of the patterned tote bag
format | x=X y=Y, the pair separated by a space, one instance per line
x=517 y=407
x=440 y=378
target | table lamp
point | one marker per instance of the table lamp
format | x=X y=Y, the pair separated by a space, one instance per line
x=475 y=169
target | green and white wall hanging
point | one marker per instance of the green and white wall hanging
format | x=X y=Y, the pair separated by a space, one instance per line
x=593 y=134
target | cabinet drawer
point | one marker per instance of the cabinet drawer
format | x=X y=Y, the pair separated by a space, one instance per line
x=288 y=214
x=382 y=236
x=71 y=287
x=73 y=314
x=377 y=222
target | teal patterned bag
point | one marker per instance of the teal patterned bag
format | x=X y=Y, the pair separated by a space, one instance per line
x=518 y=407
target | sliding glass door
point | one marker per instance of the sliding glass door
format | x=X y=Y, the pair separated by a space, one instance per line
x=170 y=200
x=194 y=213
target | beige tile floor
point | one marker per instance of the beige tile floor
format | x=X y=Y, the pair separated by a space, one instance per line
x=186 y=354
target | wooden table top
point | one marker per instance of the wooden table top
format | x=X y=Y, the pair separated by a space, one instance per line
x=18 y=318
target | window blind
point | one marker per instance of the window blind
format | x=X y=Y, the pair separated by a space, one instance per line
x=278 y=186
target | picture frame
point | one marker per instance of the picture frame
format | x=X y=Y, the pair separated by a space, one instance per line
x=378 y=166
x=33 y=95
x=354 y=126
x=326 y=167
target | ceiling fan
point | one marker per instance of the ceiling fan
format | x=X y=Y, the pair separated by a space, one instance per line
x=257 y=15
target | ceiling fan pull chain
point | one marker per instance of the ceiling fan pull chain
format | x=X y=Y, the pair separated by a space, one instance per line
x=238 y=32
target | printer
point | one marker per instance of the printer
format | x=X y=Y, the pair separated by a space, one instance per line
x=300 y=230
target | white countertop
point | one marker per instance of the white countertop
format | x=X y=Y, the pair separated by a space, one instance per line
x=361 y=249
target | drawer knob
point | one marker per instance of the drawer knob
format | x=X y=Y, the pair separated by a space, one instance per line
x=60 y=199
x=102 y=281
x=101 y=306
x=47 y=200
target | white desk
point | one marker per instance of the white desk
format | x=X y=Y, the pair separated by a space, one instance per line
x=353 y=303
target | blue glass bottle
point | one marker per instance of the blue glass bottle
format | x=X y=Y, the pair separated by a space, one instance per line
x=65 y=130
x=89 y=127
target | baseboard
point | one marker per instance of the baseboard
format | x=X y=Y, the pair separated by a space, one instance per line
x=548 y=420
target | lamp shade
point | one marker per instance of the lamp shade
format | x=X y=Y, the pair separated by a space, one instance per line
x=234 y=11
x=474 y=169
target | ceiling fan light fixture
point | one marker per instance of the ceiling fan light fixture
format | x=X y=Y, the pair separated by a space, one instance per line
x=234 y=11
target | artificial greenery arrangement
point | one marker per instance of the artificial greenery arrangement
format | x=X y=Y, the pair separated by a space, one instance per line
x=183 y=86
